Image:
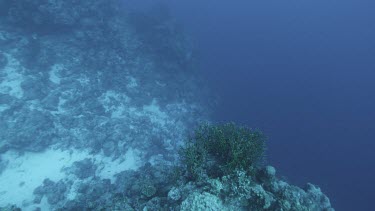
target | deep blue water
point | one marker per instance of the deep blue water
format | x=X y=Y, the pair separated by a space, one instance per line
x=303 y=72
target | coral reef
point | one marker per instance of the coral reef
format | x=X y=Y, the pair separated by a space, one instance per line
x=157 y=187
x=76 y=74
x=202 y=201
x=109 y=96
x=151 y=189
x=222 y=149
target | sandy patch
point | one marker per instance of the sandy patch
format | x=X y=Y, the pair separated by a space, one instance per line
x=26 y=172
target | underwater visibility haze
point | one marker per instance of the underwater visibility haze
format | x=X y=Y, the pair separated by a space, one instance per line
x=303 y=72
x=187 y=105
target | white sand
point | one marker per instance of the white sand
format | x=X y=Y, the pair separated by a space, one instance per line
x=115 y=103
x=30 y=169
x=108 y=168
x=3 y=107
x=119 y=107
x=156 y=115
x=132 y=84
x=54 y=73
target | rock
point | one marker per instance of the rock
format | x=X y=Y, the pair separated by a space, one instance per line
x=33 y=89
x=148 y=190
x=3 y=61
x=6 y=99
x=267 y=174
x=54 y=191
x=202 y=201
x=3 y=165
x=315 y=195
x=153 y=204
x=270 y=171
x=10 y=208
x=84 y=168
x=261 y=198
x=26 y=124
x=216 y=186
x=108 y=148
x=51 y=102
x=174 y=194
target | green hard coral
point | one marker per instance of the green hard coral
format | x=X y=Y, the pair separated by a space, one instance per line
x=218 y=150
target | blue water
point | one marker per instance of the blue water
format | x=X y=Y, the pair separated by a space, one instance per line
x=302 y=71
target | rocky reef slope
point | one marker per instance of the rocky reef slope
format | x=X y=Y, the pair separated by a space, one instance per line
x=95 y=102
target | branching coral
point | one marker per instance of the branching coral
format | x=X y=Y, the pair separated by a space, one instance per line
x=218 y=150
